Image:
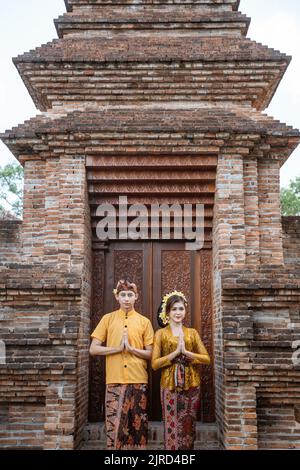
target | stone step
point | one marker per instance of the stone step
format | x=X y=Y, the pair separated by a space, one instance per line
x=151 y=447
x=206 y=437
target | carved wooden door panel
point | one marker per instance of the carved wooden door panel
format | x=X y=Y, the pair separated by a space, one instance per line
x=156 y=268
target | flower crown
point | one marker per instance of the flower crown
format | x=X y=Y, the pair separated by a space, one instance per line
x=163 y=314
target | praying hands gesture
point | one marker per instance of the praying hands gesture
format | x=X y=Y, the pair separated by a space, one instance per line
x=181 y=343
x=180 y=347
x=126 y=346
x=97 y=349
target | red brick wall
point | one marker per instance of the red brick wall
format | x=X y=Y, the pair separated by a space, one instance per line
x=22 y=425
x=45 y=306
x=261 y=321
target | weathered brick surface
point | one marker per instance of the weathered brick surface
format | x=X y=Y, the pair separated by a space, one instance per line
x=161 y=102
x=291 y=239
x=45 y=310
x=261 y=321
x=22 y=425
x=10 y=231
x=270 y=212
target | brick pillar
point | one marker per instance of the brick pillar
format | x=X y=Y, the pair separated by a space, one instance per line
x=229 y=212
x=57 y=233
x=54 y=212
x=270 y=226
x=32 y=237
x=251 y=211
x=240 y=419
x=59 y=416
x=228 y=251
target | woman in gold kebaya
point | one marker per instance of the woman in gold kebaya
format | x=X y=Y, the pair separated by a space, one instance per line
x=178 y=351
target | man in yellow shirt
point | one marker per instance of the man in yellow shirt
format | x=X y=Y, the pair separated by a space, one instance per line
x=129 y=338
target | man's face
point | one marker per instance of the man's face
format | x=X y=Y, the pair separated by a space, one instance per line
x=126 y=299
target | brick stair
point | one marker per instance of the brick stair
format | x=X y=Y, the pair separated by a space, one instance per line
x=206 y=437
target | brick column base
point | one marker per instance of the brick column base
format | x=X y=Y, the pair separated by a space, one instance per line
x=240 y=419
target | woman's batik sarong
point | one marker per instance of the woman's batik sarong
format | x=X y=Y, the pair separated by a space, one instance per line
x=179 y=415
x=126 y=416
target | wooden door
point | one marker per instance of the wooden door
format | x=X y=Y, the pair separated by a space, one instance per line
x=156 y=268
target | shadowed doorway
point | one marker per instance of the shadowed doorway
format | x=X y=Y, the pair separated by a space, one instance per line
x=156 y=268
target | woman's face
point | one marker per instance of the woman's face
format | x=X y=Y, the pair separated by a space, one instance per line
x=126 y=299
x=177 y=312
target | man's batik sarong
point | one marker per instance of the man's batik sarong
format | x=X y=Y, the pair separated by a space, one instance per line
x=126 y=416
x=179 y=415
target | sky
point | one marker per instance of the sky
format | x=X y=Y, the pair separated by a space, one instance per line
x=26 y=24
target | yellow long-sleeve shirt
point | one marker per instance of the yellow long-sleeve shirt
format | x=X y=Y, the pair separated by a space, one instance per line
x=165 y=343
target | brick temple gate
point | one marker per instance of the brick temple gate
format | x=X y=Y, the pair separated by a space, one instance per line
x=156 y=266
x=163 y=102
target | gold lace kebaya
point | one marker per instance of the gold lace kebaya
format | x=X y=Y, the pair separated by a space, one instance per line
x=164 y=344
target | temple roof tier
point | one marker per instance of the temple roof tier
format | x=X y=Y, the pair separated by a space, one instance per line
x=217 y=4
x=209 y=49
x=117 y=70
x=173 y=20
x=201 y=119
x=188 y=131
